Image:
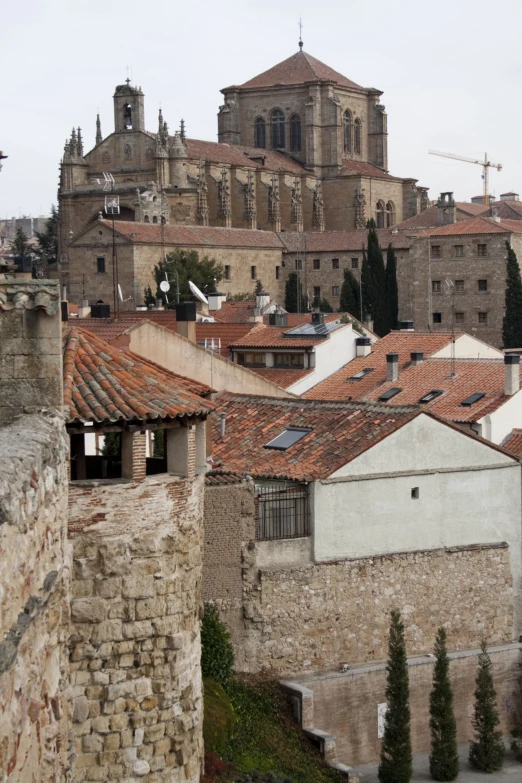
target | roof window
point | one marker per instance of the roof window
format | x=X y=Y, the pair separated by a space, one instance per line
x=473 y=398
x=360 y=374
x=387 y=395
x=430 y=396
x=287 y=438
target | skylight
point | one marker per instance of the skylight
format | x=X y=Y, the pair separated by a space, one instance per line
x=473 y=398
x=287 y=438
x=361 y=374
x=387 y=395
x=430 y=396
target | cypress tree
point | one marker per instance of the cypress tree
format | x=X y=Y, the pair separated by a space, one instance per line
x=396 y=757
x=294 y=294
x=378 y=274
x=512 y=324
x=392 y=292
x=350 y=301
x=486 y=752
x=366 y=285
x=444 y=758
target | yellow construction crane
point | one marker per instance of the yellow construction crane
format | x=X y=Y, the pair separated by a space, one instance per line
x=486 y=165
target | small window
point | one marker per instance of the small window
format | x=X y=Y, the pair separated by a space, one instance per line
x=482 y=286
x=387 y=395
x=260 y=133
x=227 y=272
x=317 y=292
x=436 y=287
x=355 y=263
x=154 y=219
x=253 y=272
x=459 y=318
x=482 y=251
x=435 y=251
x=335 y=263
x=100 y=265
x=415 y=493
x=359 y=375
x=459 y=251
x=483 y=318
x=277 y=272
x=287 y=438
x=252 y=359
x=335 y=290
x=473 y=398
x=317 y=263
x=436 y=318
x=298 y=264
x=289 y=360
x=277 y=122
x=459 y=286
x=430 y=396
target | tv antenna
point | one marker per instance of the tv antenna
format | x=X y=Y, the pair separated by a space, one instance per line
x=120 y=295
x=165 y=285
x=112 y=208
x=451 y=286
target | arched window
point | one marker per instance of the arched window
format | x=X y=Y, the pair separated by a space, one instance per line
x=127 y=116
x=146 y=219
x=277 y=121
x=260 y=133
x=357 y=136
x=347 y=122
x=390 y=214
x=381 y=212
x=155 y=219
x=295 y=133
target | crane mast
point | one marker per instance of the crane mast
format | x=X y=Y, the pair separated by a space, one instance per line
x=486 y=165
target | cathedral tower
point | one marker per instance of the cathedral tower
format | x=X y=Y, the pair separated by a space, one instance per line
x=129 y=108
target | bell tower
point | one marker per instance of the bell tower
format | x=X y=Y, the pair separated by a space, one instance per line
x=129 y=108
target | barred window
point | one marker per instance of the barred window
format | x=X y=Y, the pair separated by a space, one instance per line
x=482 y=251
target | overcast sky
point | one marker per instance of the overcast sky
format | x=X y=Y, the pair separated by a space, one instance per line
x=451 y=73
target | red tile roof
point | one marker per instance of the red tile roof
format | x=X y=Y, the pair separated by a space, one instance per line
x=226 y=333
x=215 y=479
x=103 y=384
x=275 y=337
x=428 y=218
x=338 y=387
x=340 y=431
x=281 y=377
x=300 y=68
x=236 y=312
x=339 y=241
x=471 y=375
x=514 y=443
x=352 y=168
x=478 y=225
x=236 y=155
x=203 y=236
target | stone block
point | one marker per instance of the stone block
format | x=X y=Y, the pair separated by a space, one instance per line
x=120 y=690
x=80 y=709
x=137 y=630
x=123 y=610
x=150 y=607
x=31 y=394
x=119 y=722
x=110 y=587
x=108 y=630
x=37 y=366
x=92 y=743
x=162 y=746
x=141 y=768
x=154 y=733
x=138 y=587
x=101 y=724
x=138 y=737
x=143 y=687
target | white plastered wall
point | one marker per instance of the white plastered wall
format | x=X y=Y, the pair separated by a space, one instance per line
x=497 y=426
x=468 y=347
x=330 y=356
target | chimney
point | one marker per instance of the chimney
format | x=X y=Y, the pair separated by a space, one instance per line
x=317 y=319
x=222 y=424
x=278 y=318
x=446 y=210
x=368 y=322
x=417 y=357
x=406 y=326
x=84 y=311
x=186 y=320
x=511 y=374
x=363 y=346
x=392 y=366
x=262 y=300
x=65 y=310
x=215 y=300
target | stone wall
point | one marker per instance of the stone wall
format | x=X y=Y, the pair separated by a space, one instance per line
x=135 y=650
x=34 y=588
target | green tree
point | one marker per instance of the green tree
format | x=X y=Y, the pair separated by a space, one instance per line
x=182 y=266
x=259 y=287
x=158 y=444
x=111 y=445
x=486 y=752
x=295 y=301
x=378 y=283
x=350 y=301
x=396 y=756
x=149 y=297
x=20 y=244
x=392 y=292
x=217 y=655
x=512 y=324
x=444 y=758
x=47 y=247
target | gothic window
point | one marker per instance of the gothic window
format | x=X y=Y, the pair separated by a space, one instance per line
x=127 y=116
x=390 y=214
x=277 y=120
x=295 y=133
x=154 y=219
x=146 y=219
x=260 y=133
x=347 y=122
x=381 y=212
x=357 y=136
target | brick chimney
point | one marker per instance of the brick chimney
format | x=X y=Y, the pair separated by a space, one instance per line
x=446 y=209
x=186 y=320
x=392 y=366
x=511 y=374
x=417 y=357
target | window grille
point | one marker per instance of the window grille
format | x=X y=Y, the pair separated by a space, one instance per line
x=282 y=512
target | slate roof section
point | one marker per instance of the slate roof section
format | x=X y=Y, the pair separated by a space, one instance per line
x=300 y=68
x=103 y=385
x=203 y=236
x=340 y=431
x=238 y=155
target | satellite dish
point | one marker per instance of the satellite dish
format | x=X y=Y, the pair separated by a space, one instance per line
x=195 y=290
x=165 y=286
x=120 y=293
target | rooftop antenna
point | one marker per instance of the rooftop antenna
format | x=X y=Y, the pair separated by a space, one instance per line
x=165 y=285
x=300 y=35
x=120 y=295
x=112 y=208
x=451 y=286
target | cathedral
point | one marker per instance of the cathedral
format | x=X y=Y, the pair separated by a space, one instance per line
x=301 y=148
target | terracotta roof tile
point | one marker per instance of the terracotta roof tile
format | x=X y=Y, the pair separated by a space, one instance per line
x=514 y=443
x=478 y=225
x=281 y=377
x=357 y=167
x=103 y=384
x=300 y=68
x=203 y=236
x=236 y=155
x=428 y=217
x=227 y=333
x=340 y=431
x=262 y=336
x=217 y=479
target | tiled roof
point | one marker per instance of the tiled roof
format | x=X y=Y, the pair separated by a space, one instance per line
x=340 y=431
x=274 y=337
x=514 y=443
x=216 y=479
x=471 y=375
x=338 y=387
x=236 y=312
x=236 y=155
x=510 y=210
x=281 y=377
x=103 y=384
x=203 y=236
x=428 y=218
x=300 y=68
x=298 y=319
x=339 y=241
x=226 y=333
x=356 y=167
x=477 y=225
x=105 y=328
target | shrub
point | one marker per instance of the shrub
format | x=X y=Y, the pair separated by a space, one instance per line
x=217 y=655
